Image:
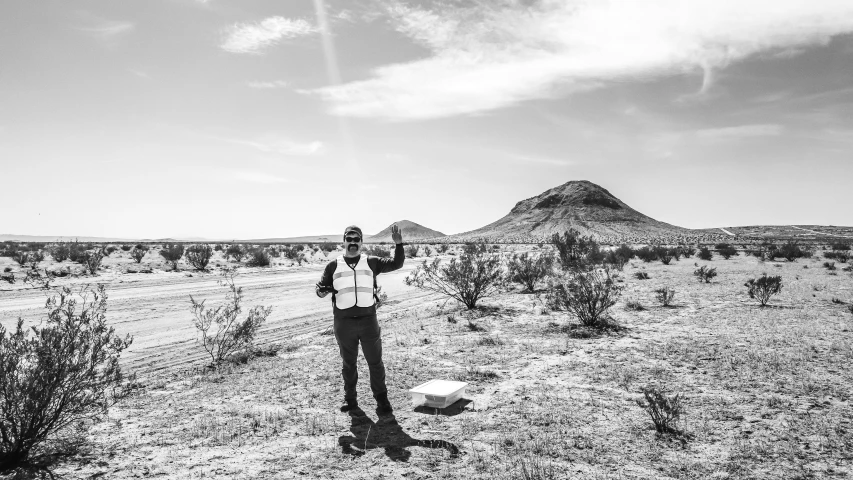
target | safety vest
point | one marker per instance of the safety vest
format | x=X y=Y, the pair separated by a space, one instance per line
x=354 y=285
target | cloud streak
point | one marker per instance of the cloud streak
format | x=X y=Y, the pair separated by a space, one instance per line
x=254 y=38
x=488 y=56
x=268 y=85
x=281 y=146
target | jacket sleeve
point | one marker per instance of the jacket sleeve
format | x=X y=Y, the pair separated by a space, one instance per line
x=326 y=279
x=383 y=265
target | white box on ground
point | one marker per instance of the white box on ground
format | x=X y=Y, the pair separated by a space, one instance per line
x=437 y=393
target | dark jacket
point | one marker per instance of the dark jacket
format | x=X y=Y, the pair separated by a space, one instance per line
x=377 y=265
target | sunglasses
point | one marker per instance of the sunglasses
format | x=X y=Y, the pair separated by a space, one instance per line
x=352 y=239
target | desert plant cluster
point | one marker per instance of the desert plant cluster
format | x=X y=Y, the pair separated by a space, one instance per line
x=656 y=360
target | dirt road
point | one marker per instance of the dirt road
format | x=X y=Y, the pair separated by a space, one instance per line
x=155 y=308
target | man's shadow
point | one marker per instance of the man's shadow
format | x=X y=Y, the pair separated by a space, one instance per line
x=385 y=433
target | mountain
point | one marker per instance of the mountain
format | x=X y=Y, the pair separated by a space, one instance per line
x=583 y=206
x=411 y=231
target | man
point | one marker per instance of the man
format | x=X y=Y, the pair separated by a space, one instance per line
x=352 y=280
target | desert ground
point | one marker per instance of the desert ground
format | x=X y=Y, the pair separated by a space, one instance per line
x=767 y=391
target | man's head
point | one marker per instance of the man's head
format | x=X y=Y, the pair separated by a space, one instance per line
x=352 y=241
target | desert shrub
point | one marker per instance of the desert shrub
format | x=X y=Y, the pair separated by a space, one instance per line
x=665 y=411
x=126 y=248
x=77 y=251
x=838 y=246
x=705 y=254
x=92 y=260
x=7 y=269
x=109 y=250
x=61 y=372
x=217 y=247
x=28 y=259
x=222 y=333
x=411 y=250
x=60 y=252
x=258 y=257
x=588 y=295
x=381 y=297
x=634 y=305
x=442 y=248
x=199 y=255
x=763 y=288
x=328 y=247
x=841 y=255
x=675 y=253
x=467 y=279
x=705 y=274
x=237 y=252
x=725 y=250
x=470 y=248
x=791 y=250
x=528 y=269
x=138 y=253
x=377 y=251
x=172 y=253
x=829 y=265
x=646 y=254
x=850 y=308
x=576 y=251
x=665 y=296
x=664 y=255
x=428 y=251
x=688 y=250
x=641 y=275
x=7 y=277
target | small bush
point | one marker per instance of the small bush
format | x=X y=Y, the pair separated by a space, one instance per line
x=377 y=251
x=199 y=256
x=665 y=296
x=641 y=275
x=126 y=248
x=66 y=372
x=60 y=252
x=705 y=254
x=576 y=251
x=763 y=288
x=237 y=252
x=172 y=254
x=92 y=260
x=474 y=248
x=705 y=274
x=222 y=334
x=665 y=411
x=725 y=250
x=442 y=248
x=528 y=269
x=850 y=308
x=258 y=257
x=791 y=250
x=634 y=305
x=411 y=251
x=646 y=254
x=587 y=295
x=467 y=279
x=829 y=265
x=109 y=250
x=838 y=301
x=138 y=253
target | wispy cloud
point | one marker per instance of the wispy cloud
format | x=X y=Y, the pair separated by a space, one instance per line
x=282 y=146
x=268 y=85
x=253 y=38
x=108 y=29
x=489 y=55
x=740 y=131
x=259 y=177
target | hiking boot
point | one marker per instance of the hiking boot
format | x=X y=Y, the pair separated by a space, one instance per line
x=349 y=405
x=383 y=405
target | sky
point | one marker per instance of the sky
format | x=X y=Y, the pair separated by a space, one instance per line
x=258 y=119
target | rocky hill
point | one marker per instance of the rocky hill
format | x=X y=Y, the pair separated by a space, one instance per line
x=583 y=206
x=411 y=232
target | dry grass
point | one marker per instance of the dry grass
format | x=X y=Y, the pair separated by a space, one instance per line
x=766 y=394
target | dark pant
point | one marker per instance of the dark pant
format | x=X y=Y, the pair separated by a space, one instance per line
x=348 y=333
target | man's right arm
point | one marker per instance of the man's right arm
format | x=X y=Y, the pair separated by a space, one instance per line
x=324 y=286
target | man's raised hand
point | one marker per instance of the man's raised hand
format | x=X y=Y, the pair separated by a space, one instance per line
x=396 y=235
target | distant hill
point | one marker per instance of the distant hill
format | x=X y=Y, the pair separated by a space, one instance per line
x=583 y=206
x=332 y=237
x=411 y=231
x=60 y=238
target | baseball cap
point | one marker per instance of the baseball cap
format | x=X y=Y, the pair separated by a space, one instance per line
x=353 y=228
